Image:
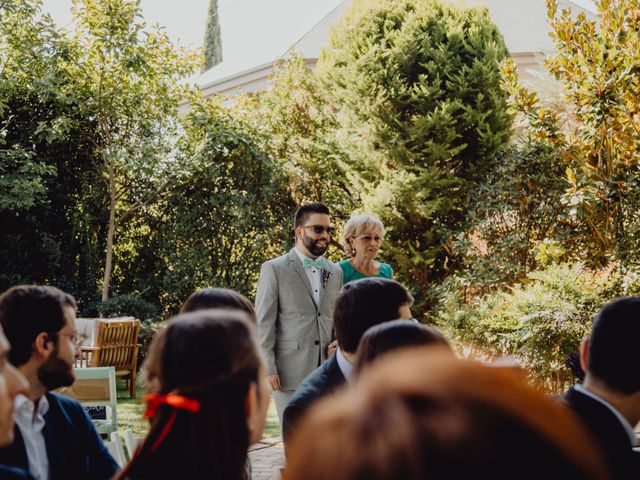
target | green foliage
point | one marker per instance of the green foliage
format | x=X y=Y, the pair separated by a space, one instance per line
x=212 y=39
x=125 y=78
x=26 y=67
x=129 y=304
x=540 y=321
x=514 y=216
x=597 y=66
x=422 y=112
x=48 y=195
x=229 y=212
x=298 y=123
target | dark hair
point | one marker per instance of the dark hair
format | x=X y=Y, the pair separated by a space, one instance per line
x=363 y=304
x=218 y=298
x=394 y=335
x=613 y=345
x=28 y=310
x=422 y=414
x=211 y=356
x=303 y=213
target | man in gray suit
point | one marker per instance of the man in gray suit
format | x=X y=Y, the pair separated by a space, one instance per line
x=294 y=304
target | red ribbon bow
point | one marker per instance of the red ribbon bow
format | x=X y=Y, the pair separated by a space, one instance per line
x=155 y=400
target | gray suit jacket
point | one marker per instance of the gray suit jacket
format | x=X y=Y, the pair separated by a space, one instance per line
x=294 y=331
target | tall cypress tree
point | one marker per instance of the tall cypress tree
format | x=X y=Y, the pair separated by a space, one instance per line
x=212 y=40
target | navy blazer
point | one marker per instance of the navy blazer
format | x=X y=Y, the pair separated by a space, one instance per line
x=608 y=433
x=13 y=473
x=322 y=381
x=74 y=448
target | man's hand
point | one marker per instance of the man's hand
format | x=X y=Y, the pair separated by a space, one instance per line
x=331 y=348
x=274 y=381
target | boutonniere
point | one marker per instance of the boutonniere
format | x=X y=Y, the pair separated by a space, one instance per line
x=326 y=275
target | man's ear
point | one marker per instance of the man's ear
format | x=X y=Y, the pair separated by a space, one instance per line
x=43 y=345
x=584 y=354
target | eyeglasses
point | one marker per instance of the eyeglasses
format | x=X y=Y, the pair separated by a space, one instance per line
x=75 y=338
x=321 y=229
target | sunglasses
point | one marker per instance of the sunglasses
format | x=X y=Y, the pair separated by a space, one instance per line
x=319 y=229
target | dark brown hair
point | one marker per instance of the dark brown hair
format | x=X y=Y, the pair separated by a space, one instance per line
x=28 y=310
x=390 y=336
x=218 y=298
x=211 y=356
x=613 y=345
x=422 y=414
x=305 y=211
x=363 y=304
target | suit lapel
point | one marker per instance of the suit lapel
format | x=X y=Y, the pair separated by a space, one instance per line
x=53 y=445
x=327 y=270
x=295 y=262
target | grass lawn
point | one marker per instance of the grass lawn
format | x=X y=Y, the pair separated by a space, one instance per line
x=130 y=412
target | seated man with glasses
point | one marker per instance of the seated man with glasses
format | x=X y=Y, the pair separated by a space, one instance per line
x=294 y=304
x=54 y=437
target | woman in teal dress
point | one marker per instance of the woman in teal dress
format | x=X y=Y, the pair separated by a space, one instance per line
x=363 y=235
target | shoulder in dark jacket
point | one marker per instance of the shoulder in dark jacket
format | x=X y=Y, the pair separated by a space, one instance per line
x=322 y=381
x=608 y=433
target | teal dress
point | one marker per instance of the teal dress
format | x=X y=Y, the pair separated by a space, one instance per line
x=349 y=274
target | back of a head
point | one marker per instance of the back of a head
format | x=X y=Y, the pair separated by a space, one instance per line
x=394 y=335
x=210 y=356
x=28 y=310
x=423 y=414
x=363 y=304
x=218 y=298
x=613 y=345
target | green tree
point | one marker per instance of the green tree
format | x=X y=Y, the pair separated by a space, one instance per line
x=418 y=84
x=126 y=79
x=26 y=38
x=212 y=39
x=596 y=63
x=299 y=126
x=229 y=212
x=512 y=211
x=49 y=200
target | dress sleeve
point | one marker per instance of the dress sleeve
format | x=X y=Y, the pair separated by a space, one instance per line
x=386 y=270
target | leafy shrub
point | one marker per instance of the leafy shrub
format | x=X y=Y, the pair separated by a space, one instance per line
x=513 y=221
x=539 y=321
x=130 y=305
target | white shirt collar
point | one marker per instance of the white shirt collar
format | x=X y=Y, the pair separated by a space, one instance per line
x=29 y=418
x=345 y=367
x=25 y=408
x=621 y=419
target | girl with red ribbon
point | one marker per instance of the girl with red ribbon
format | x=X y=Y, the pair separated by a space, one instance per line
x=212 y=399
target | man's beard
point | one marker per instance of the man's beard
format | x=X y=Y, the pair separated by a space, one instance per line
x=55 y=372
x=314 y=249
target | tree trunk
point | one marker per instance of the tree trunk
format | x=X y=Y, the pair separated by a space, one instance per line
x=106 y=281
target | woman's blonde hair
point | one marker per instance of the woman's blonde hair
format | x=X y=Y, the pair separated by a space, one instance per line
x=359 y=225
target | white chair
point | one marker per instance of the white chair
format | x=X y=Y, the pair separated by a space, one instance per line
x=132 y=442
x=95 y=389
x=114 y=445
